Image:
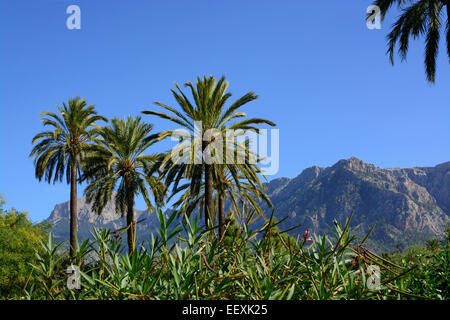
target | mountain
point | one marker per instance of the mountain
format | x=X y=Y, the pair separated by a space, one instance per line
x=407 y=206
x=87 y=218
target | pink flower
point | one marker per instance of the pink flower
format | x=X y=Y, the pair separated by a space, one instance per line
x=309 y=239
x=306 y=233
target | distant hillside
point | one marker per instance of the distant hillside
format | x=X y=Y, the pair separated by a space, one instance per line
x=59 y=221
x=407 y=205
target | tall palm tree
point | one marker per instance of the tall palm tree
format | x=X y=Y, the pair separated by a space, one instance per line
x=418 y=18
x=63 y=148
x=117 y=166
x=233 y=179
x=209 y=112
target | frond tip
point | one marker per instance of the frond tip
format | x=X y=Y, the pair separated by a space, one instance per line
x=418 y=18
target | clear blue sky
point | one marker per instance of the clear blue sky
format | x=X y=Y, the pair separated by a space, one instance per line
x=322 y=76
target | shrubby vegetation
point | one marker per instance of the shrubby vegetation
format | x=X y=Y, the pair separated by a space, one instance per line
x=19 y=239
x=429 y=266
x=188 y=263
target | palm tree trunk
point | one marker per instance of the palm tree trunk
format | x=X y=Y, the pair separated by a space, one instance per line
x=208 y=193
x=131 y=232
x=73 y=209
x=221 y=215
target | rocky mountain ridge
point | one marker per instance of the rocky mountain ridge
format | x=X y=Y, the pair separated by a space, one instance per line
x=406 y=205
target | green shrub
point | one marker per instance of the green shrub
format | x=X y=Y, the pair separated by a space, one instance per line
x=429 y=267
x=245 y=264
x=19 y=239
x=431 y=275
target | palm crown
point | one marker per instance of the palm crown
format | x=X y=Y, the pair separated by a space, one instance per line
x=209 y=111
x=422 y=17
x=64 y=146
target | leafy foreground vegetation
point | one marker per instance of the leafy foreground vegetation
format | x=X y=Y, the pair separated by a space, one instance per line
x=19 y=239
x=184 y=262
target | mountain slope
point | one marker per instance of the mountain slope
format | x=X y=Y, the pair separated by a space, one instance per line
x=406 y=205
x=60 y=217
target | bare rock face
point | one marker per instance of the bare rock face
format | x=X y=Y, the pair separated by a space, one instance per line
x=59 y=219
x=85 y=212
x=406 y=206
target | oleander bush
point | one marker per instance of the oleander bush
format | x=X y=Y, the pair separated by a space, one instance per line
x=429 y=265
x=187 y=262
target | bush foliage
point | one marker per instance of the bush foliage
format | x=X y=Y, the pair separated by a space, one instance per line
x=186 y=262
x=19 y=238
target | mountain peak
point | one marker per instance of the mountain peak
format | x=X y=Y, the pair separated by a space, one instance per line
x=445 y=165
x=352 y=163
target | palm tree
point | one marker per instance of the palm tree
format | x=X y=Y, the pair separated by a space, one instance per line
x=233 y=179
x=117 y=166
x=63 y=148
x=245 y=194
x=209 y=113
x=422 y=17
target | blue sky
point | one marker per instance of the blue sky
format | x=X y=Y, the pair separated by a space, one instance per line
x=321 y=75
